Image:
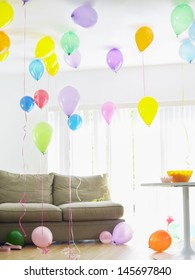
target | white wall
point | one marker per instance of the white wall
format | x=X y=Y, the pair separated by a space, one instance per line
x=18 y=152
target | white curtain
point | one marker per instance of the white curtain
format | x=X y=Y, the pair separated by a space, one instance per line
x=131 y=153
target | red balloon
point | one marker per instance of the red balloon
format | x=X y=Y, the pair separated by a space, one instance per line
x=160 y=240
x=41 y=98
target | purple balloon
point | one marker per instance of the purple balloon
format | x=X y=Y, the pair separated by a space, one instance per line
x=122 y=233
x=114 y=59
x=84 y=16
x=68 y=100
x=24 y=1
x=74 y=59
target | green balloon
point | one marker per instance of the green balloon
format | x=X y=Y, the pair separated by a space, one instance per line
x=42 y=134
x=181 y=18
x=69 y=42
x=15 y=237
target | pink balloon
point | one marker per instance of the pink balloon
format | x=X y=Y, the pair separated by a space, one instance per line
x=84 y=16
x=114 y=59
x=42 y=237
x=68 y=100
x=105 y=237
x=41 y=98
x=108 y=110
x=74 y=59
x=122 y=233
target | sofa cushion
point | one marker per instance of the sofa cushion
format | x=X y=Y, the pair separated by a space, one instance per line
x=14 y=187
x=88 y=188
x=29 y=212
x=91 y=211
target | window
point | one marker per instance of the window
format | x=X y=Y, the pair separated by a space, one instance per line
x=132 y=153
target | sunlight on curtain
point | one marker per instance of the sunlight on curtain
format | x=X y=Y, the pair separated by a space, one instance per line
x=131 y=153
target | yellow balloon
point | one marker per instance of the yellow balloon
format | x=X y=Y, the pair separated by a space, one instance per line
x=143 y=37
x=45 y=47
x=6 y=13
x=4 y=55
x=147 y=108
x=50 y=61
x=54 y=70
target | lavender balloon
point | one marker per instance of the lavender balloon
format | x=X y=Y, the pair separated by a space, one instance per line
x=122 y=233
x=68 y=100
x=84 y=16
x=24 y=1
x=74 y=59
x=114 y=59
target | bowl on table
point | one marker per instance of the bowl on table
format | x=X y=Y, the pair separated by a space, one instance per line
x=180 y=175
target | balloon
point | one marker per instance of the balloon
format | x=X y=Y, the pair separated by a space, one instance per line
x=105 y=237
x=73 y=59
x=143 y=37
x=53 y=70
x=84 y=16
x=122 y=233
x=25 y=1
x=114 y=59
x=174 y=230
x=4 y=42
x=191 y=32
x=187 y=51
x=4 y=55
x=74 y=122
x=51 y=60
x=160 y=240
x=42 y=134
x=69 y=42
x=36 y=69
x=27 y=103
x=108 y=110
x=68 y=100
x=181 y=18
x=41 y=98
x=42 y=237
x=15 y=237
x=6 y=13
x=45 y=47
x=147 y=108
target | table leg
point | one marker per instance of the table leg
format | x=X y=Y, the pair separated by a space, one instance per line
x=187 y=249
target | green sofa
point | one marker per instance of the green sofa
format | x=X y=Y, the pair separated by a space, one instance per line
x=57 y=202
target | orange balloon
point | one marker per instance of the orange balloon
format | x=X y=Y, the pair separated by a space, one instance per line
x=160 y=240
x=4 y=42
x=143 y=37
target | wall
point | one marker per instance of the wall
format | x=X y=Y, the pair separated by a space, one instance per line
x=17 y=149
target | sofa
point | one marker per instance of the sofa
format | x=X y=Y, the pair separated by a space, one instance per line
x=57 y=201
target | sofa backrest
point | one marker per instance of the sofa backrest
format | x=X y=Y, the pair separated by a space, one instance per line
x=14 y=187
x=81 y=188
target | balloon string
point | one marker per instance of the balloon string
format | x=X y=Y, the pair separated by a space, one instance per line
x=22 y=200
x=71 y=254
x=77 y=188
x=143 y=73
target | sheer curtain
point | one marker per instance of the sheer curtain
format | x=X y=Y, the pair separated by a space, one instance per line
x=131 y=153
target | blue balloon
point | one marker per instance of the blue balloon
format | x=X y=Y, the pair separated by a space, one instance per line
x=187 y=51
x=191 y=32
x=27 y=103
x=36 y=69
x=74 y=122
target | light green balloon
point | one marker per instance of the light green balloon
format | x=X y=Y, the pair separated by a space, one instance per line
x=181 y=18
x=69 y=42
x=42 y=133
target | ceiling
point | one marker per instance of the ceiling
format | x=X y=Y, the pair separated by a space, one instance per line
x=118 y=20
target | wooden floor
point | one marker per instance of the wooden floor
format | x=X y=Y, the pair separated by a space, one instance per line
x=84 y=251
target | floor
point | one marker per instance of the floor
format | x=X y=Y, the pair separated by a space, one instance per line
x=133 y=250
